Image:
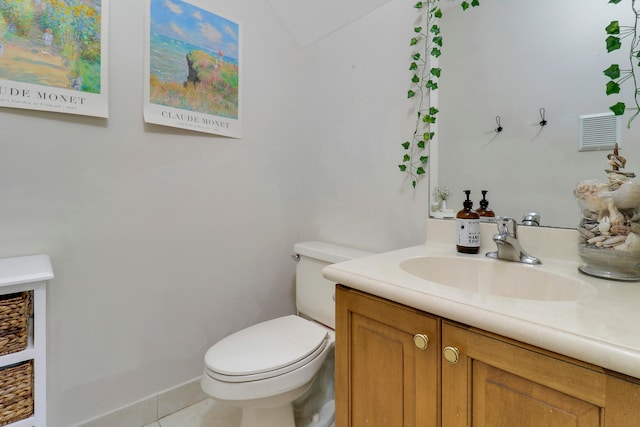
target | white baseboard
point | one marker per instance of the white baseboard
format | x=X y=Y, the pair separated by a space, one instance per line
x=151 y=409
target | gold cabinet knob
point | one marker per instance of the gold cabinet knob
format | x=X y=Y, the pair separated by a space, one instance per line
x=421 y=341
x=451 y=354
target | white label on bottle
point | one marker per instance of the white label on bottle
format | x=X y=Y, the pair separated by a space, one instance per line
x=468 y=232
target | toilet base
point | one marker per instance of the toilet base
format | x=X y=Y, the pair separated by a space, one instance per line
x=280 y=416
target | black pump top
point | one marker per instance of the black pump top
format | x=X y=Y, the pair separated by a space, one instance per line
x=484 y=203
x=468 y=204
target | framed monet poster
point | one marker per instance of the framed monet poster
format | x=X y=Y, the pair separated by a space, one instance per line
x=192 y=68
x=53 y=56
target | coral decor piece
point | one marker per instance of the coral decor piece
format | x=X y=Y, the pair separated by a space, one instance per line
x=609 y=228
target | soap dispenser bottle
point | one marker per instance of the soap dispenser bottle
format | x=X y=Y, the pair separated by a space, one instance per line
x=468 y=228
x=485 y=211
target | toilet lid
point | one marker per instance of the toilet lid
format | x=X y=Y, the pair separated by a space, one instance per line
x=267 y=349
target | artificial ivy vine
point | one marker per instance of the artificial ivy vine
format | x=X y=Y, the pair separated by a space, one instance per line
x=428 y=47
x=617 y=76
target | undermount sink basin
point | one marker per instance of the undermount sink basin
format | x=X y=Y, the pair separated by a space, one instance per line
x=499 y=278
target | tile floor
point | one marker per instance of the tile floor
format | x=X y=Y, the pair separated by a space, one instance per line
x=206 y=413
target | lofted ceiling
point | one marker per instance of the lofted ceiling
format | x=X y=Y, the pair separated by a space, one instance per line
x=309 y=20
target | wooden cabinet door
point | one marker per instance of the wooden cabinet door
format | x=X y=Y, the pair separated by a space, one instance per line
x=622 y=401
x=382 y=378
x=501 y=383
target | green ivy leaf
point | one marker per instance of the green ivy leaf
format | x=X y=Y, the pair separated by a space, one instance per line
x=613 y=28
x=618 y=108
x=613 y=43
x=411 y=166
x=612 y=87
x=613 y=72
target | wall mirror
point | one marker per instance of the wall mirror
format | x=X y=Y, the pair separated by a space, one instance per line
x=510 y=59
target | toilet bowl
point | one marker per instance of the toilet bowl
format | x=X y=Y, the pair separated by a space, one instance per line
x=267 y=366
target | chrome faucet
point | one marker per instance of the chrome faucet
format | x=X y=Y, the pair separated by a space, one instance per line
x=509 y=248
x=531 y=218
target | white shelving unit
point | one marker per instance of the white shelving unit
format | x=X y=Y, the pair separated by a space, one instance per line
x=30 y=273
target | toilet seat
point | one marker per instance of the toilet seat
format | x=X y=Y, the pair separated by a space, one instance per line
x=266 y=350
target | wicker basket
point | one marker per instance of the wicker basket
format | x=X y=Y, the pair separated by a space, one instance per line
x=16 y=392
x=14 y=316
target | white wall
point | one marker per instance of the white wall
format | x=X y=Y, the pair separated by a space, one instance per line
x=355 y=118
x=162 y=240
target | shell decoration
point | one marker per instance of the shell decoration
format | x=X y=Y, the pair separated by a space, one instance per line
x=610 y=210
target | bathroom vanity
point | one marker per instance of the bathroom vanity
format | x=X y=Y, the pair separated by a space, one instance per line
x=387 y=374
x=411 y=351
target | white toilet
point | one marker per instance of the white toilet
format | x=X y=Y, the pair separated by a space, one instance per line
x=267 y=366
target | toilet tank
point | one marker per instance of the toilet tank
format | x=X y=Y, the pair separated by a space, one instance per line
x=315 y=295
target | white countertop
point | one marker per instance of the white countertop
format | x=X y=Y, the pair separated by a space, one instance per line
x=600 y=329
x=25 y=269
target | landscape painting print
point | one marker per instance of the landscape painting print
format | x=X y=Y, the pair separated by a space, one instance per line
x=53 y=56
x=192 y=67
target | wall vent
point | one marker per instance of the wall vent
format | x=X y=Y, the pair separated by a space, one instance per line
x=599 y=132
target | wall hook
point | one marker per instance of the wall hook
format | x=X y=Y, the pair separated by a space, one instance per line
x=543 y=122
x=499 y=128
